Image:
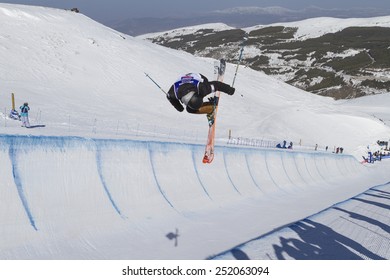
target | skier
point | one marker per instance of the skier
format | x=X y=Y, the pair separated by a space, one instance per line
x=190 y=90
x=24 y=115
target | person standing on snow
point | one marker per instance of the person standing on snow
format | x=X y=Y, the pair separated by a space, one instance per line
x=190 y=90
x=24 y=114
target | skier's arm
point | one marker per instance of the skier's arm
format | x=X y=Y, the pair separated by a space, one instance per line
x=175 y=103
x=205 y=80
x=204 y=88
x=172 y=99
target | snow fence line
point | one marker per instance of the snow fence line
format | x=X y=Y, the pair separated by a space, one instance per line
x=98 y=128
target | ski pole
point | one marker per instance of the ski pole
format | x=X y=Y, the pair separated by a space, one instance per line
x=150 y=78
x=239 y=58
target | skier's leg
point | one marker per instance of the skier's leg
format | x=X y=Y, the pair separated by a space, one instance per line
x=197 y=106
x=27 y=122
x=190 y=110
x=206 y=108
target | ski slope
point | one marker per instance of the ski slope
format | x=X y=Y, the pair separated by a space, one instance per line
x=111 y=170
x=77 y=198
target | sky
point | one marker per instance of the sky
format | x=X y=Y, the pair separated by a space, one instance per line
x=110 y=10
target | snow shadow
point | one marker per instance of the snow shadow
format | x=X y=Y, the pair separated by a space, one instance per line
x=369 y=220
x=377 y=195
x=319 y=242
x=239 y=255
x=375 y=203
x=384 y=193
x=36 y=126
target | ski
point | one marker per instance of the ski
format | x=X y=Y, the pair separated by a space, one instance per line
x=219 y=72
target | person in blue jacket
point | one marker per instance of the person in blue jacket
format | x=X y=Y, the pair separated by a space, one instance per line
x=24 y=115
x=190 y=89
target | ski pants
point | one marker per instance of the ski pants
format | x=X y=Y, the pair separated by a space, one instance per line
x=25 y=121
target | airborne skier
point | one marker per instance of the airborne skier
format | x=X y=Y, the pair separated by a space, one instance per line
x=190 y=90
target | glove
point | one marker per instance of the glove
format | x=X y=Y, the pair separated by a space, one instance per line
x=175 y=103
x=213 y=100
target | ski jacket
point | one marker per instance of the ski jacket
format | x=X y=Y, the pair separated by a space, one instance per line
x=189 y=81
x=184 y=85
x=24 y=110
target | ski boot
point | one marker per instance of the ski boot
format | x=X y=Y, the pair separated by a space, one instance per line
x=211 y=116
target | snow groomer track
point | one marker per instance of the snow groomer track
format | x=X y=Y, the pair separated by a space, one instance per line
x=77 y=198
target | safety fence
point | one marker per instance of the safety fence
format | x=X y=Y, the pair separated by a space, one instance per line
x=108 y=128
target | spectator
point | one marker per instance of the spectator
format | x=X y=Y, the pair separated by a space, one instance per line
x=24 y=115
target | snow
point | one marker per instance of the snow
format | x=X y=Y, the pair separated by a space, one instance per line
x=111 y=168
x=344 y=54
x=316 y=27
x=340 y=232
x=187 y=30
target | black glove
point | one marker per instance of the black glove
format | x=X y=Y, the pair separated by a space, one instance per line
x=176 y=103
x=213 y=100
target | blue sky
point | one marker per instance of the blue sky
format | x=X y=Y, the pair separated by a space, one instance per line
x=107 y=10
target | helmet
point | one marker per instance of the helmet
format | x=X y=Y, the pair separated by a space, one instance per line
x=187 y=97
x=195 y=102
x=25 y=104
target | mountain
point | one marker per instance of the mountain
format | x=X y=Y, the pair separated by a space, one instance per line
x=238 y=17
x=340 y=58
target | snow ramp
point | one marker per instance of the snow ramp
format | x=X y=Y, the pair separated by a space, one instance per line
x=78 y=198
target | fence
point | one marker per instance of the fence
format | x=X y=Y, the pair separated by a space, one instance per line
x=107 y=128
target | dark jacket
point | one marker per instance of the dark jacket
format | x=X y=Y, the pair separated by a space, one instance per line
x=203 y=88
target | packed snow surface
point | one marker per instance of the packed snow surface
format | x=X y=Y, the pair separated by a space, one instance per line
x=110 y=170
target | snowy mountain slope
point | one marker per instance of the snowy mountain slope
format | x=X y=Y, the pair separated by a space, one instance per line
x=84 y=80
x=240 y=17
x=306 y=29
x=341 y=58
x=188 y=30
x=316 y=27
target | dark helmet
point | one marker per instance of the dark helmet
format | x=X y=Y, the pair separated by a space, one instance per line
x=195 y=102
x=25 y=104
x=188 y=94
x=192 y=100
